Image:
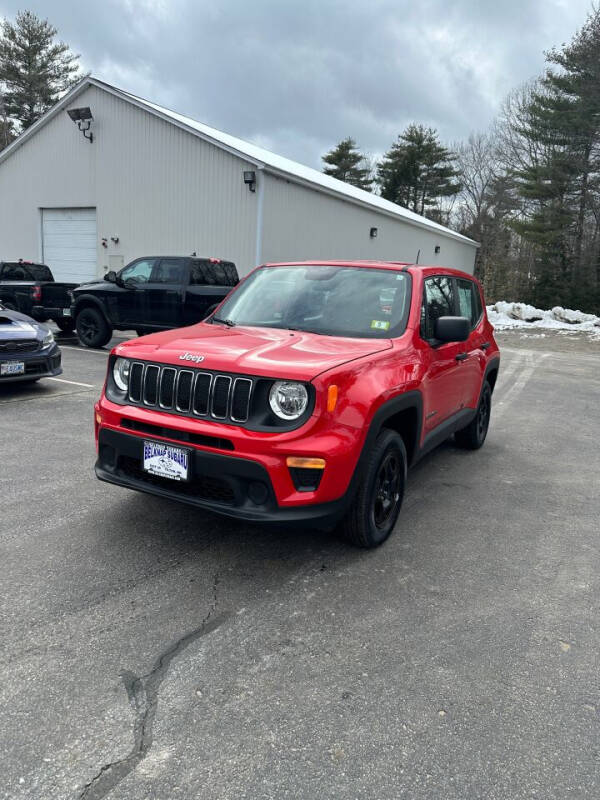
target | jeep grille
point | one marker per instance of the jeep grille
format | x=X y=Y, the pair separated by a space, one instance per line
x=193 y=392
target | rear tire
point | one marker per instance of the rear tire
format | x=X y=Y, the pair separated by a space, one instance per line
x=65 y=325
x=378 y=497
x=473 y=435
x=92 y=328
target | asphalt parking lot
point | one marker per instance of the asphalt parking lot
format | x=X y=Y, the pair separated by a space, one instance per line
x=151 y=650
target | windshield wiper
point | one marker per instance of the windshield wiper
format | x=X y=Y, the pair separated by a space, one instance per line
x=229 y=322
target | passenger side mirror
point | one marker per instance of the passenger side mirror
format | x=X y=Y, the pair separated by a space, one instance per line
x=111 y=276
x=452 y=329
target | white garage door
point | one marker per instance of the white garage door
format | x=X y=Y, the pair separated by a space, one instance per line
x=69 y=243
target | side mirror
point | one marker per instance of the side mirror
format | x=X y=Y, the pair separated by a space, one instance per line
x=452 y=329
x=111 y=276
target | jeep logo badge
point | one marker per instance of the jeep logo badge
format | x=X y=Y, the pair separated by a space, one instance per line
x=191 y=357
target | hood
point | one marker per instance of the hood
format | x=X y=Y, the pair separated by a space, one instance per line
x=14 y=325
x=269 y=352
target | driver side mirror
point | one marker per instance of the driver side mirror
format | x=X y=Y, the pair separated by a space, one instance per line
x=452 y=329
x=111 y=276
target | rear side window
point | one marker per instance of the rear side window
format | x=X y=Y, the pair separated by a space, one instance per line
x=213 y=273
x=469 y=301
x=438 y=301
x=40 y=272
x=168 y=270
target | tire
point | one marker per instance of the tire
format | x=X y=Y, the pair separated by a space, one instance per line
x=378 y=497
x=65 y=325
x=473 y=435
x=92 y=328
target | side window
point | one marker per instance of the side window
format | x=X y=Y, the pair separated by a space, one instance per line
x=438 y=301
x=469 y=302
x=168 y=270
x=139 y=271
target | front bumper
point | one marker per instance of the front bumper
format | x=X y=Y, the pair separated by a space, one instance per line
x=39 y=364
x=230 y=485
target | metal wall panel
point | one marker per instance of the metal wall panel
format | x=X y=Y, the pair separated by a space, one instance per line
x=156 y=188
x=301 y=223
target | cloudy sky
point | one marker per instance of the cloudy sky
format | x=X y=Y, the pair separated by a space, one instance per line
x=296 y=76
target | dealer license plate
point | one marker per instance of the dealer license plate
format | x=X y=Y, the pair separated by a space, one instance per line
x=12 y=368
x=166 y=461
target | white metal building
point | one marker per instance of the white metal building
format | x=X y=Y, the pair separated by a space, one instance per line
x=155 y=182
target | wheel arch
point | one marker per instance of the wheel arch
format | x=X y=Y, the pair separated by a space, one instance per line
x=89 y=301
x=403 y=414
x=491 y=372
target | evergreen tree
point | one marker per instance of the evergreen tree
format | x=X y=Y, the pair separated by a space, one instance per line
x=417 y=171
x=346 y=163
x=560 y=189
x=34 y=68
x=6 y=127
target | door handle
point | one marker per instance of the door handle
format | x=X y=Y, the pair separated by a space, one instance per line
x=462 y=356
x=485 y=345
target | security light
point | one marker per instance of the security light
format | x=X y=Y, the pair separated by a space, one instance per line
x=83 y=117
x=437 y=248
x=250 y=179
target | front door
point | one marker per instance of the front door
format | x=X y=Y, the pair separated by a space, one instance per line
x=128 y=300
x=441 y=383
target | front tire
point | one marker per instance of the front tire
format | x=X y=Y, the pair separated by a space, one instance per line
x=473 y=435
x=378 y=498
x=92 y=328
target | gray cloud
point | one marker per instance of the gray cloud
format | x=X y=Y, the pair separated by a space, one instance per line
x=297 y=77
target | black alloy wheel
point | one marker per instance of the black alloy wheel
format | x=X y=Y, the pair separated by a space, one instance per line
x=473 y=435
x=92 y=329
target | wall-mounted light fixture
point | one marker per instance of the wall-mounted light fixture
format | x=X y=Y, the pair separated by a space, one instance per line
x=437 y=249
x=250 y=179
x=83 y=117
x=114 y=239
x=373 y=233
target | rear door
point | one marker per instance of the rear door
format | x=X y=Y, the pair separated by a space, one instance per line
x=441 y=383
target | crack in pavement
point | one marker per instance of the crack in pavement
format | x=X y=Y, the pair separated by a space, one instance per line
x=143 y=696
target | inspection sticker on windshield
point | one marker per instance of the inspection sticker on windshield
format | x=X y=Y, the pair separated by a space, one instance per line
x=380 y=325
x=166 y=461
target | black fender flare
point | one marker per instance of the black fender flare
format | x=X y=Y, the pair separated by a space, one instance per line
x=493 y=364
x=89 y=300
x=411 y=400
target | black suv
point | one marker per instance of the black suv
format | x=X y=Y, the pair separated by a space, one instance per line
x=152 y=293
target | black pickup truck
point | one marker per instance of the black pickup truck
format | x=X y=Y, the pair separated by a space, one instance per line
x=31 y=289
x=153 y=293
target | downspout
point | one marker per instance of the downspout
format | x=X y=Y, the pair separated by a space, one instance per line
x=260 y=204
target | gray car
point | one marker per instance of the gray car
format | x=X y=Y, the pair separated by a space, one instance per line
x=28 y=351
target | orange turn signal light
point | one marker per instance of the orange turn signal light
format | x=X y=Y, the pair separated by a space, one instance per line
x=98 y=419
x=305 y=463
x=332 y=396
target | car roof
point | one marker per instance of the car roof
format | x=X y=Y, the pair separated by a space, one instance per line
x=405 y=266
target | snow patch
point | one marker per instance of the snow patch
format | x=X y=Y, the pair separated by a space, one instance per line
x=508 y=316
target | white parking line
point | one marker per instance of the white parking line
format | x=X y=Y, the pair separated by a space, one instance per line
x=73 y=383
x=84 y=350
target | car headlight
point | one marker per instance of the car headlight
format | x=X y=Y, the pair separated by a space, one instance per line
x=121 y=373
x=288 y=400
x=48 y=339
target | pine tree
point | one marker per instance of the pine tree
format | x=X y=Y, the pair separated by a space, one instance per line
x=346 y=163
x=417 y=171
x=34 y=68
x=7 y=133
x=560 y=185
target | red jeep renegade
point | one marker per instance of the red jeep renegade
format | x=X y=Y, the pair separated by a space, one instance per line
x=305 y=396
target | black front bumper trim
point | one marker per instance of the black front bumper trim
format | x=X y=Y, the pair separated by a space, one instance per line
x=118 y=451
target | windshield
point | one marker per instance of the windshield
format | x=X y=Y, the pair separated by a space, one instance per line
x=337 y=301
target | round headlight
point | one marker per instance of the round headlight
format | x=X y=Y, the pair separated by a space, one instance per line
x=288 y=399
x=121 y=373
x=48 y=339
